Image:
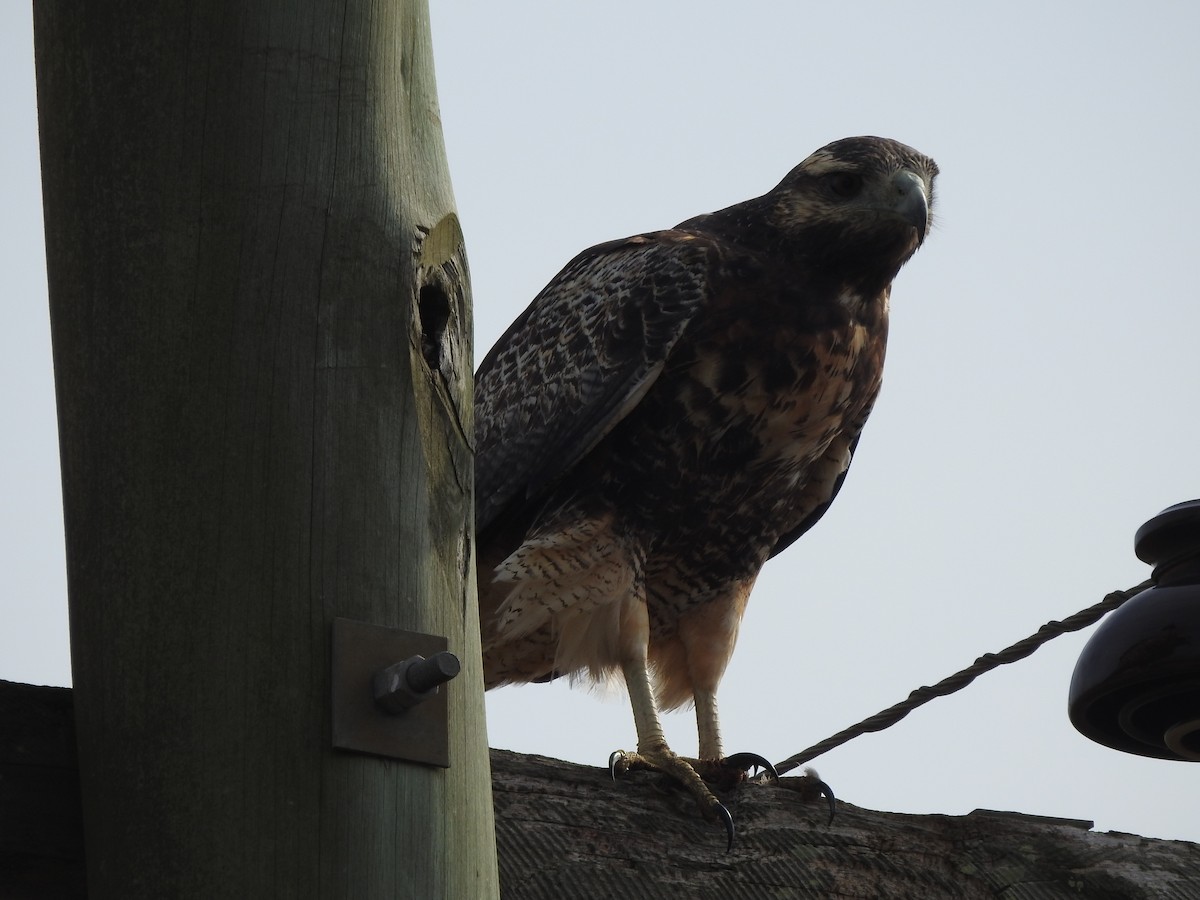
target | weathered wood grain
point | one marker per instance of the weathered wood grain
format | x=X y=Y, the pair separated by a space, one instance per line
x=263 y=375
x=566 y=830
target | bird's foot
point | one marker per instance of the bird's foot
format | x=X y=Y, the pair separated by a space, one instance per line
x=810 y=787
x=692 y=775
x=731 y=770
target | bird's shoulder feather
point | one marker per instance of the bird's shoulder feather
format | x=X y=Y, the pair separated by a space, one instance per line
x=579 y=358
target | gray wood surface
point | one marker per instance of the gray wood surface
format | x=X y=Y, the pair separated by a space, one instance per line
x=566 y=830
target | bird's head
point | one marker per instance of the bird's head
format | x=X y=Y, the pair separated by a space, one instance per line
x=860 y=200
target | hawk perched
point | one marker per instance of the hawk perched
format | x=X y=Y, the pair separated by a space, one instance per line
x=672 y=410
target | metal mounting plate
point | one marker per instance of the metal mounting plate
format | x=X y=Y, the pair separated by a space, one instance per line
x=359 y=651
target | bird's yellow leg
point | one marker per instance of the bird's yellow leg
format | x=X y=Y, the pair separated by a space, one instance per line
x=645 y=711
x=713 y=766
x=652 y=750
x=708 y=634
x=708 y=724
x=633 y=650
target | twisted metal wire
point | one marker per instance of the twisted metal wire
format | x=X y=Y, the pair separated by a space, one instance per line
x=960 y=680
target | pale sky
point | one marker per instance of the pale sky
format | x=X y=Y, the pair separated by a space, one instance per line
x=1040 y=397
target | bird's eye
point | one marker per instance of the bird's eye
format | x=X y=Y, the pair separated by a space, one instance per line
x=844 y=184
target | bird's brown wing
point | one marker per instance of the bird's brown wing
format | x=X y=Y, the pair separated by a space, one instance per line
x=581 y=356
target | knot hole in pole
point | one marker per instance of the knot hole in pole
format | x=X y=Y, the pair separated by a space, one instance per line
x=433 y=308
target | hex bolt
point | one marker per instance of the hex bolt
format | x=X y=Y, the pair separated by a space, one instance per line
x=402 y=686
x=427 y=674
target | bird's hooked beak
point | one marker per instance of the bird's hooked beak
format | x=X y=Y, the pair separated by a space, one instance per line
x=910 y=201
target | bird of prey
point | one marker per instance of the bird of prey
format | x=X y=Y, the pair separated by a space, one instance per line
x=672 y=410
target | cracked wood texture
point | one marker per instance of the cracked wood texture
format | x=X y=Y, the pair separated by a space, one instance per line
x=261 y=331
x=566 y=831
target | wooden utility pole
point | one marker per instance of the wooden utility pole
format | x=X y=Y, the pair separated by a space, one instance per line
x=261 y=324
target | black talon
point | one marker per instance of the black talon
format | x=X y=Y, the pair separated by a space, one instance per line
x=740 y=760
x=747 y=761
x=728 y=819
x=828 y=792
x=612 y=762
